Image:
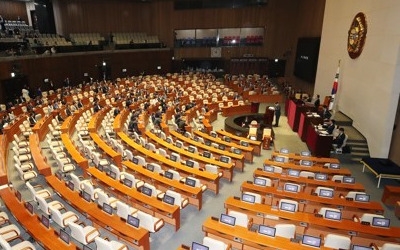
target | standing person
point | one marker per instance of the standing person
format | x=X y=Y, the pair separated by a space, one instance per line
x=317 y=102
x=277 y=113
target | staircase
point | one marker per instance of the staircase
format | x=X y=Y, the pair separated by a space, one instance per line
x=357 y=142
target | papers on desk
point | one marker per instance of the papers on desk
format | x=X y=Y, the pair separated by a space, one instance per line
x=323 y=133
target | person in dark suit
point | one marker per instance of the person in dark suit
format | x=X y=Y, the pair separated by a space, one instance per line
x=317 y=102
x=277 y=113
x=330 y=127
x=96 y=107
x=68 y=111
x=32 y=119
x=339 y=140
x=325 y=114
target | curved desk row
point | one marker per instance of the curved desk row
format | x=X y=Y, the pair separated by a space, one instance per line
x=209 y=179
x=137 y=237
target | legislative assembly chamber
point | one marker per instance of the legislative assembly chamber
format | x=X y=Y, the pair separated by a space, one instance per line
x=185 y=124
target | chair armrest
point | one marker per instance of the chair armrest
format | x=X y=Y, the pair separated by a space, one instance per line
x=70 y=216
x=94 y=230
x=229 y=246
x=158 y=225
x=16 y=235
x=250 y=223
x=374 y=246
x=356 y=218
x=139 y=183
x=184 y=202
x=122 y=247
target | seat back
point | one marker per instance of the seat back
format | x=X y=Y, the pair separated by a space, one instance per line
x=390 y=246
x=88 y=187
x=123 y=210
x=102 y=198
x=268 y=182
x=153 y=189
x=175 y=174
x=322 y=210
x=103 y=244
x=115 y=170
x=177 y=196
x=178 y=157
x=162 y=152
x=214 y=244
x=367 y=217
x=211 y=168
x=337 y=241
x=77 y=232
x=285 y=230
x=4 y=244
x=43 y=205
x=129 y=154
x=146 y=221
x=337 y=178
x=75 y=180
x=307 y=174
x=141 y=160
x=257 y=197
x=241 y=218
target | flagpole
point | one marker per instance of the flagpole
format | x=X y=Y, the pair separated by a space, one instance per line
x=334 y=88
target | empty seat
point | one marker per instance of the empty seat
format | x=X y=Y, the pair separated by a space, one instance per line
x=214 y=244
x=105 y=198
x=285 y=230
x=84 y=235
x=26 y=245
x=62 y=219
x=337 y=241
x=149 y=222
x=178 y=199
x=123 y=210
x=241 y=219
x=90 y=189
x=103 y=244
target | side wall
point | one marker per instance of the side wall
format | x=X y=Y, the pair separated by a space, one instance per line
x=368 y=86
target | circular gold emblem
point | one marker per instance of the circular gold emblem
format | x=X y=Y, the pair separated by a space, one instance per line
x=357 y=35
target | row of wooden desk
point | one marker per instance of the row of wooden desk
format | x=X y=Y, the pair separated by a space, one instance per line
x=226 y=168
x=194 y=194
x=207 y=178
x=137 y=237
x=47 y=238
x=151 y=205
x=271 y=215
x=309 y=202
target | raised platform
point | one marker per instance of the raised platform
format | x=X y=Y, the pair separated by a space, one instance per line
x=237 y=124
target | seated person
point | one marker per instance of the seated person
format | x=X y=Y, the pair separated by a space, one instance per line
x=330 y=126
x=339 y=141
x=325 y=114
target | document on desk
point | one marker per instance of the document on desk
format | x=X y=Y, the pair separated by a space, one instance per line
x=323 y=133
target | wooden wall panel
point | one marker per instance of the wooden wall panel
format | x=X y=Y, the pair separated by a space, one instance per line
x=10 y=10
x=60 y=66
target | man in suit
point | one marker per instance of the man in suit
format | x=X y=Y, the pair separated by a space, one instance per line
x=317 y=102
x=325 y=114
x=330 y=127
x=96 y=107
x=339 y=140
x=277 y=113
x=32 y=119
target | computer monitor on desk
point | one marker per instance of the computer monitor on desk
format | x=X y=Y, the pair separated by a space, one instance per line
x=359 y=247
x=380 y=222
x=189 y=163
x=321 y=177
x=333 y=215
x=168 y=175
x=86 y=196
x=327 y=193
x=221 y=147
x=169 y=199
x=198 y=246
x=224 y=159
x=334 y=166
x=70 y=185
x=248 y=198
x=289 y=207
x=228 y=220
x=113 y=175
x=135 y=160
x=349 y=179
x=305 y=153
x=64 y=236
x=127 y=182
x=284 y=151
x=244 y=143
x=293 y=172
x=147 y=191
x=45 y=221
x=289 y=187
x=269 y=168
x=107 y=208
x=266 y=230
x=206 y=154
x=190 y=182
x=311 y=241
x=173 y=157
x=362 y=197
x=133 y=221
x=150 y=167
x=260 y=181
